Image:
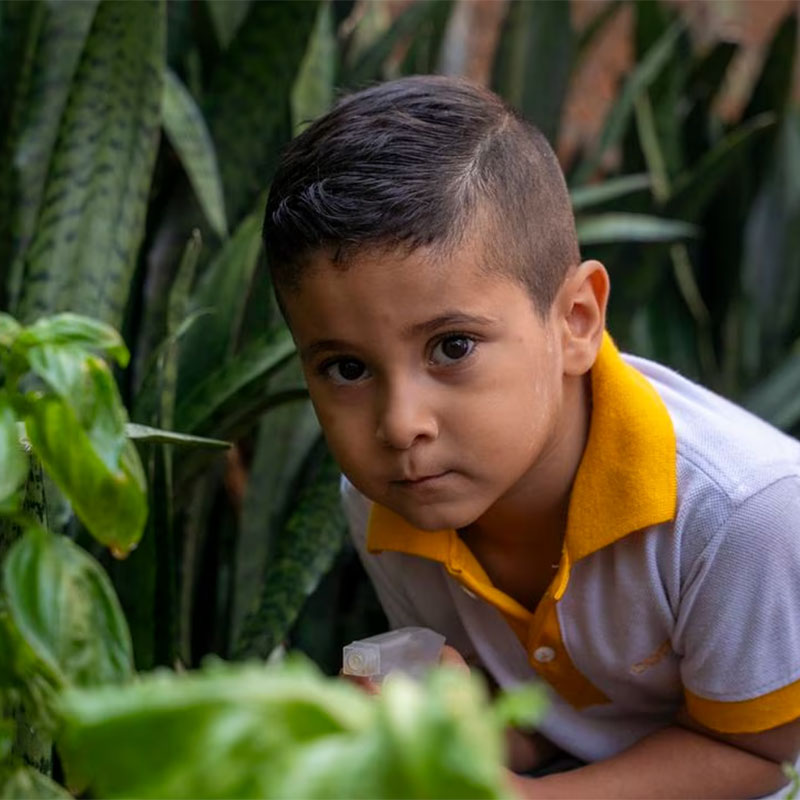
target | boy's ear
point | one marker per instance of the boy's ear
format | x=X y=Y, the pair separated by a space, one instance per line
x=582 y=301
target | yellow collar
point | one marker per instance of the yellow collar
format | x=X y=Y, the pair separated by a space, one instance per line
x=626 y=480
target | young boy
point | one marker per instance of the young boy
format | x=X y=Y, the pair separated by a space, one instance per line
x=551 y=507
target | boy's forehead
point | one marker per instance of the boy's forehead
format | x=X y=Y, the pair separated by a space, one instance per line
x=409 y=293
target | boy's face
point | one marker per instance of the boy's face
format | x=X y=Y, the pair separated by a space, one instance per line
x=438 y=386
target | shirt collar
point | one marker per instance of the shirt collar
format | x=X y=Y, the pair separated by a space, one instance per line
x=626 y=480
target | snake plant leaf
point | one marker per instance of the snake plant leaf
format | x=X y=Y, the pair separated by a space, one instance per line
x=537 y=40
x=62 y=603
x=771 y=261
x=77 y=330
x=148 y=435
x=56 y=35
x=777 y=397
x=648 y=69
x=247 y=105
x=694 y=189
x=83 y=251
x=17 y=779
x=12 y=458
x=221 y=294
x=610 y=228
x=110 y=501
x=772 y=90
x=216 y=402
x=285 y=438
x=312 y=93
x=370 y=62
x=307 y=547
x=611 y=189
x=186 y=129
x=226 y=17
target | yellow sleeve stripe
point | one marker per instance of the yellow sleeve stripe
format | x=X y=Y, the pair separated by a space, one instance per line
x=747 y=716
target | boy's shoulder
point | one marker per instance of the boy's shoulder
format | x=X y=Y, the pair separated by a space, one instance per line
x=738 y=477
x=718 y=442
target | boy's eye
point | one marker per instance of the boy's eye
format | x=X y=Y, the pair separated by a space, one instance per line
x=345 y=370
x=451 y=349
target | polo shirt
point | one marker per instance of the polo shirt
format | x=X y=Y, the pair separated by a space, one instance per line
x=679 y=579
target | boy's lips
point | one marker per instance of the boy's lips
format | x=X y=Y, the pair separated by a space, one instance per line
x=427 y=479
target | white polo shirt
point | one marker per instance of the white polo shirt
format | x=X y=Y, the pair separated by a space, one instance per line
x=679 y=582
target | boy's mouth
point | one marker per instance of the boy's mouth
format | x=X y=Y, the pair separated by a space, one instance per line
x=422 y=480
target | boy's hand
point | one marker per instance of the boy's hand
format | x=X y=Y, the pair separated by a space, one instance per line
x=449 y=656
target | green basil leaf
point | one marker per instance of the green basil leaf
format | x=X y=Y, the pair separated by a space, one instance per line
x=109 y=500
x=85 y=383
x=75 y=329
x=13 y=459
x=9 y=330
x=225 y=731
x=18 y=780
x=63 y=605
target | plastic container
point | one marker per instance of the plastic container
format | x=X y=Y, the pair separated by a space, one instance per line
x=408 y=650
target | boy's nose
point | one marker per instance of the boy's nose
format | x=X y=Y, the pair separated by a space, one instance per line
x=405 y=419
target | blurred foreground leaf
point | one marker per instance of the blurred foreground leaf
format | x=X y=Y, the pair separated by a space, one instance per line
x=283 y=731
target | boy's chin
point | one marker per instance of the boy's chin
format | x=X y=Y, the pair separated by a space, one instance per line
x=437 y=517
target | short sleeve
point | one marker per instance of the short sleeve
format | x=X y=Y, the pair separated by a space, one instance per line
x=395 y=603
x=738 y=626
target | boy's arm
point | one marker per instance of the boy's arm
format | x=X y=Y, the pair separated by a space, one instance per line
x=679 y=761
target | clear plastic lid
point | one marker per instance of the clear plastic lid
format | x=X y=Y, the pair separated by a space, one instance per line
x=409 y=650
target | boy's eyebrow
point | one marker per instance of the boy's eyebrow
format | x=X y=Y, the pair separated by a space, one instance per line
x=447 y=320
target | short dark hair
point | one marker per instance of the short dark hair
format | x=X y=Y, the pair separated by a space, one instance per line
x=422 y=161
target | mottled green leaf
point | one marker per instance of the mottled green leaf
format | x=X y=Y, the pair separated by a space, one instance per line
x=609 y=228
x=80 y=331
x=146 y=434
x=247 y=104
x=611 y=189
x=537 y=40
x=285 y=438
x=312 y=93
x=56 y=37
x=63 y=605
x=305 y=551
x=210 y=406
x=187 y=131
x=86 y=236
x=14 y=463
x=111 y=502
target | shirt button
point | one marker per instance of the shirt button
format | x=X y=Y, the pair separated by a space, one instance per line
x=468 y=592
x=544 y=655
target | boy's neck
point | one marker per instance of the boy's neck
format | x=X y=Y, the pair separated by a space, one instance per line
x=536 y=509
